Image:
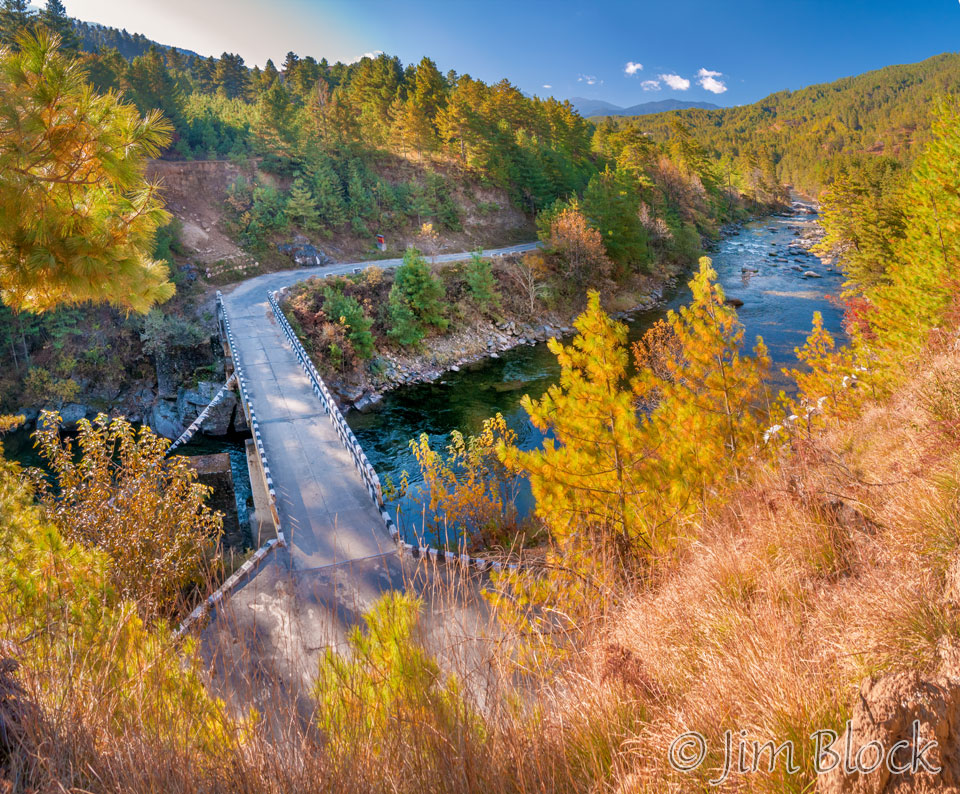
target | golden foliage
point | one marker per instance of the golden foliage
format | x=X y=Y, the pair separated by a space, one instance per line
x=115 y=491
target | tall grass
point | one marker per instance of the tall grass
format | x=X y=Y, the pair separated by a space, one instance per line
x=836 y=562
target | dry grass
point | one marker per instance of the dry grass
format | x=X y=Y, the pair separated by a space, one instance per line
x=836 y=562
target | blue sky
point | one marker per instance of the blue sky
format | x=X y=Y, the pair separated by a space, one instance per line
x=624 y=52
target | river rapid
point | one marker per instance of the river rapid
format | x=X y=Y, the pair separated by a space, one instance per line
x=778 y=304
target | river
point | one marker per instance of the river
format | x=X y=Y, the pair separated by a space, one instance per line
x=778 y=304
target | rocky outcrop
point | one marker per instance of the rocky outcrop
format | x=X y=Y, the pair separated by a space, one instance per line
x=170 y=417
x=914 y=719
x=303 y=252
x=190 y=402
x=177 y=366
x=165 y=420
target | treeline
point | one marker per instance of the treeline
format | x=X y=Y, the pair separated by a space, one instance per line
x=807 y=137
x=338 y=133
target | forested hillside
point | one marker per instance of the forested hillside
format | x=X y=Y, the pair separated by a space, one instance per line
x=810 y=134
x=339 y=153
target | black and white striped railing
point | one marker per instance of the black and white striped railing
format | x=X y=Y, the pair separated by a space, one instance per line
x=191 y=431
x=369 y=474
x=252 y=414
x=347 y=438
x=260 y=554
x=232 y=582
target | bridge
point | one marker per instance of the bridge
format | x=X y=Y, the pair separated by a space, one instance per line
x=335 y=552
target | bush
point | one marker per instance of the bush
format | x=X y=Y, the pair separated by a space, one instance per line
x=121 y=496
x=163 y=333
x=349 y=313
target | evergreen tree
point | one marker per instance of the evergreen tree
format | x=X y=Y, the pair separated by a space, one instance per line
x=920 y=282
x=54 y=18
x=230 y=76
x=403 y=326
x=612 y=203
x=54 y=249
x=421 y=290
x=276 y=128
x=347 y=312
x=591 y=478
x=302 y=207
x=16 y=18
x=329 y=193
x=711 y=404
x=480 y=280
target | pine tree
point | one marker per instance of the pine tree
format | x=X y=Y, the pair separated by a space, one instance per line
x=590 y=480
x=712 y=400
x=329 y=193
x=16 y=18
x=421 y=290
x=825 y=368
x=404 y=328
x=920 y=282
x=480 y=280
x=302 y=207
x=54 y=18
x=230 y=76
x=53 y=248
x=612 y=203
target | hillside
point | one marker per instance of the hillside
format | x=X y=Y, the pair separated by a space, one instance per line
x=811 y=132
x=597 y=107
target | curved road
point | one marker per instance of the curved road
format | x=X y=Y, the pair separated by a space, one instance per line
x=325 y=510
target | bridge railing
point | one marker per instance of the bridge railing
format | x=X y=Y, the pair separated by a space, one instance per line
x=251 y=414
x=248 y=568
x=370 y=477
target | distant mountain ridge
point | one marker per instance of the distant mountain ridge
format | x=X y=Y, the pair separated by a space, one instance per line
x=598 y=107
x=95 y=37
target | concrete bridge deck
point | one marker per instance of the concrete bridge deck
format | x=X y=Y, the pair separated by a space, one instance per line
x=325 y=510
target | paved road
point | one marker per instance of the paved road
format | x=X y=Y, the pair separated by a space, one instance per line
x=325 y=510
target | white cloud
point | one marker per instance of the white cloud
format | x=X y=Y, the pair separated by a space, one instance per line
x=371 y=55
x=632 y=68
x=547 y=85
x=676 y=82
x=589 y=79
x=708 y=79
x=650 y=85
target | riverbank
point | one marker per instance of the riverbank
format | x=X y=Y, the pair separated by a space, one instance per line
x=364 y=387
x=483 y=339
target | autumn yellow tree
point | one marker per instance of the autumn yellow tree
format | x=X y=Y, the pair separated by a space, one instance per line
x=579 y=249
x=827 y=372
x=469 y=491
x=122 y=496
x=77 y=216
x=712 y=402
x=590 y=479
